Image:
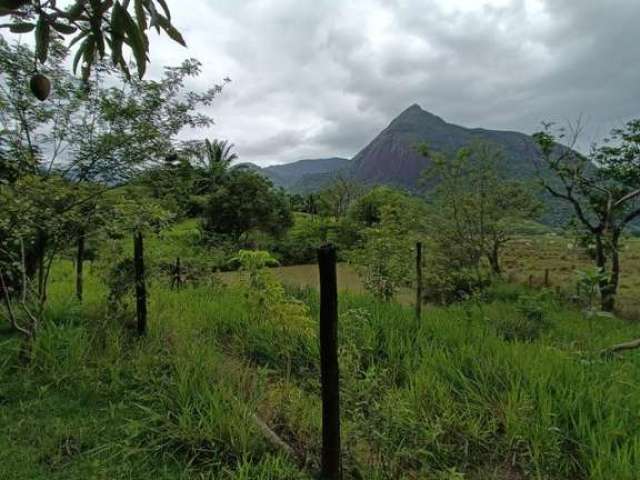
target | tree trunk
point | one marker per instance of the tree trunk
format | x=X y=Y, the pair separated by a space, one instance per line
x=141 y=288
x=494 y=259
x=608 y=294
x=607 y=289
x=329 y=373
x=79 y=265
x=40 y=254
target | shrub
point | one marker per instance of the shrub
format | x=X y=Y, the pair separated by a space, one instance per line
x=449 y=285
x=286 y=329
x=529 y=322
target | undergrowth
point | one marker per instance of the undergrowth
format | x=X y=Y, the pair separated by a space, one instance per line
x=506 y=387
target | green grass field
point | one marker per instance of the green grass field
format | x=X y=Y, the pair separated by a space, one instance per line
x=508 y=389
x=523 y=257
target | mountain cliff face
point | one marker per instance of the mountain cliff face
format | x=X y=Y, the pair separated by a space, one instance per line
x=391 y=157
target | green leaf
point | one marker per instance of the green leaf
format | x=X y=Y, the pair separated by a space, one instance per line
x=141 y=16
x=99 y=42
x=78 y=37
x=164 y=6
x=116 y=48
x=82 y=51
x=42 y=39
x=118 y=20
x=125 y=68
x=174 y=34
x=78 y=56
x=64 y=28
x=137 y=43
x=90 y=51
x=21 y=27
x=151 y=8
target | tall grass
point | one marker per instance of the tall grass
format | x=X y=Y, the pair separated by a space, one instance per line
x=456 y=395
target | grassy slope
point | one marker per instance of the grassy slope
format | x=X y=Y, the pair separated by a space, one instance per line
x=449 y=395
x=531 y=255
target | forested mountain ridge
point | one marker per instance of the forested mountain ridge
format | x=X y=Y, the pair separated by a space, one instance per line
x=300 y=175
x=392 y=158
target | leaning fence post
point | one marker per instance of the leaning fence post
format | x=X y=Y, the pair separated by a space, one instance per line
x=329 y=374
x=418 y=280
x=141 y=288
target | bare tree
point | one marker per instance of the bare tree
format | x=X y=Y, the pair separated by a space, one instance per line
x=603 y=188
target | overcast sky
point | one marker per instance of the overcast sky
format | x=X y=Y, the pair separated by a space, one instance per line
x=314 y=78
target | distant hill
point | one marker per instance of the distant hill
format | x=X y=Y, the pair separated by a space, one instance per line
x=304 y=175
x=391 y=157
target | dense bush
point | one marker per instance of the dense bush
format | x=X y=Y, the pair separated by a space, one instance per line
x=245 y=201
x=300 y=244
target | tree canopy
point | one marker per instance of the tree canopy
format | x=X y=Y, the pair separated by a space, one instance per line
x=603 y=188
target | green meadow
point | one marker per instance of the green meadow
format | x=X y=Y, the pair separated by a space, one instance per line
x=510 y=386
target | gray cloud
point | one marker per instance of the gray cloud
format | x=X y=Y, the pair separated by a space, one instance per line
x=322 y=78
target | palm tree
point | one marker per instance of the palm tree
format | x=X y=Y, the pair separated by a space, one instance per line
x=215 y=160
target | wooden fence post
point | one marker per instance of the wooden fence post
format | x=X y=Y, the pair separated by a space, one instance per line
x=176 y=280
x=329 y=373
x=530 y=280
x=418 y=280
x=546 y=277
x=79 y=265
x=141 y=288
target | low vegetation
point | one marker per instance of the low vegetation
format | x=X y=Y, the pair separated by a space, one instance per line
x=508 y=386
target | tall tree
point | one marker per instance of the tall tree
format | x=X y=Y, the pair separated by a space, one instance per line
x=244 y=202
x=340 y=195
x=476 y=208
x=36 y=138
x=137 y=122
x=214 y=158
x=603 y=188
x=384 y=260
